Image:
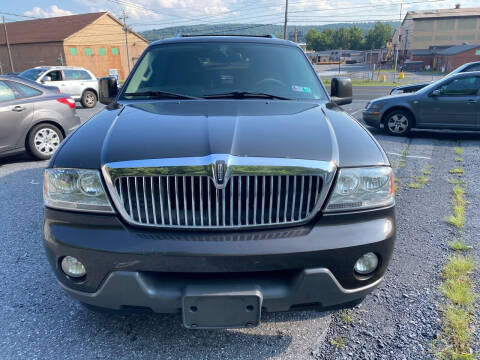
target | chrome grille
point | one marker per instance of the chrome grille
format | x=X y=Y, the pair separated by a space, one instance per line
x=195 y=201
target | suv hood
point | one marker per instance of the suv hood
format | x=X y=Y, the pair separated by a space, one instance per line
x=197 y=128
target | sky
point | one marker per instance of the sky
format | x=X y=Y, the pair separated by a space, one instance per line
x=148 y=14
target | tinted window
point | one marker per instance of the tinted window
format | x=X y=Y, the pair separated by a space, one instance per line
x=55 y=75
x=32 y=74
x=76 y=75
x=475 y=67
x=198 y=69
x=6 y=92
x=27 y=91
x=464 y=86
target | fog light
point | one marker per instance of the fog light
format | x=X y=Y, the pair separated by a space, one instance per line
x=366 y=264
x=72 y=267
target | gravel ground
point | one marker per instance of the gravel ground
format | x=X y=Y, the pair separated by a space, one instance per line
x=399 y=320
x=471 y=165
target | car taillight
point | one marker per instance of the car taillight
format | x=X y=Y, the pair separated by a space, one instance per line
x=67 y=101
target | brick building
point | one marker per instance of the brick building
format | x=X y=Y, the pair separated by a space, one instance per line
x=452 y=57
x=95 y=41
x=422 y=30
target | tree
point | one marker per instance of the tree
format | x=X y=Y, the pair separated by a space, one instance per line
x=356 y=38
x=378 y=36
x=341 y=39
x=311 y=38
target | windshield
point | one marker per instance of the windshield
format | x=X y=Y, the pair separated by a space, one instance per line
x=32 y=74
x=215 y=68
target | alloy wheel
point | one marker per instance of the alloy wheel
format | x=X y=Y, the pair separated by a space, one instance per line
x=46 y=141
x=397 y=123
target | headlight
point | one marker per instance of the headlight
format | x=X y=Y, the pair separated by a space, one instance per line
x=373 y=106
x=362 y=188
x=75 y=189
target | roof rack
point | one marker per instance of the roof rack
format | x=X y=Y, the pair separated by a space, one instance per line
x=268 y=36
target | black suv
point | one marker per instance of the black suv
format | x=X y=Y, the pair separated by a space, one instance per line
x=221 y=181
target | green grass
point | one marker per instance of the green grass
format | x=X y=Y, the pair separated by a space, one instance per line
x=454 y=181
x=456 y=171
x=459 y=245
x=338 y=342
x=457 y=219
x=346 y=317
x=414 y=185
x=457 y=334
x=422 y=180
x=458 y=150
x=457 y=323
x=458 y=266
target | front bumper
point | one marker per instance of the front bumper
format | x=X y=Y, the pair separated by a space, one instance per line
x=372 y=118
x=137 y=267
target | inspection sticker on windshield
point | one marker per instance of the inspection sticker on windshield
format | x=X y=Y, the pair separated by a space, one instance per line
x=304 y=89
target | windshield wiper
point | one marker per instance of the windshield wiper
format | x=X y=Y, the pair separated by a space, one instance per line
x=243 y=95
x=160 y=95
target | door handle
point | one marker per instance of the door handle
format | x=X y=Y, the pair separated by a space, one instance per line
x=18 y=108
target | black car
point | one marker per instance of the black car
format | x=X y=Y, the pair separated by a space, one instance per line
x=221 y=181
x=410 y=88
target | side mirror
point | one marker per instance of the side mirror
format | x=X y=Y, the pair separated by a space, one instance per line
x=46 y=78
x=341 y=90
x=108 y=90
x=436 y=93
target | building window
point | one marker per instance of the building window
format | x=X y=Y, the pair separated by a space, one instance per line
x=102 y=51
x=467 y=24
x=114 y=51
x=422 y=38
x=443 y=38
x=445 y=25
x=466 y=37
x=424 y=26
x=87 y=51
x=72 y=51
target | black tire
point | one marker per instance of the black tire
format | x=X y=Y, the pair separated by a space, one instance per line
x=89 y=99
x=398 y=122
x=47 y=135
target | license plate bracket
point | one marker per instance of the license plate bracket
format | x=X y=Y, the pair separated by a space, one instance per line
x=222 y=310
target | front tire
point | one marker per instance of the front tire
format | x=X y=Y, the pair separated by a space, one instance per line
x=398 y=123
x=43 y=140
x=89 y=99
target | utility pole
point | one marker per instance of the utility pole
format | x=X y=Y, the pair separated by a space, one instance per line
x=395 y=48
x=8 y=45
x=286 y=19
x=126 y=38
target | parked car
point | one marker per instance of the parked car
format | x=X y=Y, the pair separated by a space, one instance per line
x=80 y=83
x=33 y=117
x=221 y=181
x=450 y=103
x=473 y=66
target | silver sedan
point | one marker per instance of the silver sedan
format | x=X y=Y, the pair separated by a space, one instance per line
x=33 y=117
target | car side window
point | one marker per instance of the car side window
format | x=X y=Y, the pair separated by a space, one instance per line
x=71 y=74
x=84 y=75
x=474 y=68
x=6 y=92
x=55 y=75
x=461 y=87
x=27 y=91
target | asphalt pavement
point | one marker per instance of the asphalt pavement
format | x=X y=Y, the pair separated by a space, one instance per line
x=39 y=321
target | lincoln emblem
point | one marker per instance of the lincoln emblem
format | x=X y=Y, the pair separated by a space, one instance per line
x=220 y=167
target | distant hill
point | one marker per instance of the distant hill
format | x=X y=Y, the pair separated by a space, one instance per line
x=249 y=29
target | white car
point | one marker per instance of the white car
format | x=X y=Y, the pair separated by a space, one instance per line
x=78 y=82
